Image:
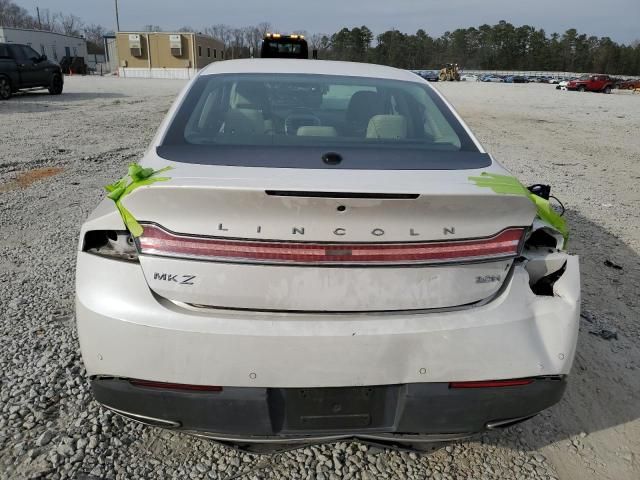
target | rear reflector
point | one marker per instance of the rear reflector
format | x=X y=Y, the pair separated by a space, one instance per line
x=175 y=386
x=492 y=383
x=157 y=241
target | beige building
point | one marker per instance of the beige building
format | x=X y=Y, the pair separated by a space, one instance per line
x=165 y=54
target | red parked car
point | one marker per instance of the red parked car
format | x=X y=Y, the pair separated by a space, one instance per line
x=592 y=83
x=629 y=85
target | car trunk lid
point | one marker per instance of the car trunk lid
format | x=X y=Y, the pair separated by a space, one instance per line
x=269 y=239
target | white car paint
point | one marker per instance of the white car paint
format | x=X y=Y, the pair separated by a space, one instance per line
x=127 y=330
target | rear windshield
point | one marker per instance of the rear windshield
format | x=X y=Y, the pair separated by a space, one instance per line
x=296 y=113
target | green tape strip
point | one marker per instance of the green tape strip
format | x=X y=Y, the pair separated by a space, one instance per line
x=508 y=185
x=136 y=177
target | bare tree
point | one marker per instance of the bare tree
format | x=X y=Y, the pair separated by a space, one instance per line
x=320 y=42
x=253 y=37
x=94 y=33
x=152 y=28
x=237 y=42
x=221 y=32
x=187 y=29
x=71 y=24
x=315 y=40
x=95 y=38
x=48 y=21
x=12 y=15
x=263 y=28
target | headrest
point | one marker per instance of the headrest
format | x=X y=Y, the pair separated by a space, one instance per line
x=363 y=105
x=249 y=95
x=244 y=121
x=316 y=131
x=387 y=126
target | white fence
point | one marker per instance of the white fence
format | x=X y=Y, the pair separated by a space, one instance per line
x=166 y=73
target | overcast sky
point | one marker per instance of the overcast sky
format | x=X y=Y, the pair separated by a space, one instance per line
x=619 y=19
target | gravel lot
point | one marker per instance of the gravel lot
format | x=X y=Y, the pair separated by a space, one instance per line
x=58 y=152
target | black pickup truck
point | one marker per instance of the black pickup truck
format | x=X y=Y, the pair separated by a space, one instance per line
x=22 y=67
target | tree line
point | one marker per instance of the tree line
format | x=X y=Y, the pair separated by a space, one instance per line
x=502 y=46
x=15 y=16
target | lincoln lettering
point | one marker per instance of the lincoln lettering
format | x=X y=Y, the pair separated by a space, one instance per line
x=299 y=230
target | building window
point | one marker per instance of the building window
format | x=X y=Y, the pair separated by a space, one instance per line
x=199 y=50
x=208 y=52
x=215 y=53
x=222 y=54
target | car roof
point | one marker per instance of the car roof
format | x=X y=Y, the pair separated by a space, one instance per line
x=310 y=67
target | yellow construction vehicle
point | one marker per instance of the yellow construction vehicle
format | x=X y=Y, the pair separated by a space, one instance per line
x=450 y=73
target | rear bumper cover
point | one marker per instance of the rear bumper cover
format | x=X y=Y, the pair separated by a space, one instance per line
x=409 y=412
x=127 y=332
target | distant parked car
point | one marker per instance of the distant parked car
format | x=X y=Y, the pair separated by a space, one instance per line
x=493 y=78
x=430 y=75
x=22 y=67
x=629 y=84
x=591 y=83
x=516 y=79
x=469 y=77
x=565 y=81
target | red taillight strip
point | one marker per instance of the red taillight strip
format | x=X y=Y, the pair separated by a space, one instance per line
x=492 y=383
x=175 y=386
x=157 y=241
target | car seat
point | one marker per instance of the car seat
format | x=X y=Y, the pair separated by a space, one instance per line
x=363 y=106
x=387 y=126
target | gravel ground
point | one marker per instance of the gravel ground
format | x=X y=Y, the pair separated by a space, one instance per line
x=58 y=152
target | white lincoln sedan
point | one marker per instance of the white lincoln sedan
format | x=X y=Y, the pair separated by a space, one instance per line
x=314 y=250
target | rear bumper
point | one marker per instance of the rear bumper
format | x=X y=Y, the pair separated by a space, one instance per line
x=127 y=332
x=403 y=413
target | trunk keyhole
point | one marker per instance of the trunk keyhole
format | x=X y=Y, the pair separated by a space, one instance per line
x=342 y=208
x=332 y=158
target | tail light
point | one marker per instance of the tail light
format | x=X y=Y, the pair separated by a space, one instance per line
x=118 y=245
x=175 y=386
x=517 y=382
x=157 y=241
